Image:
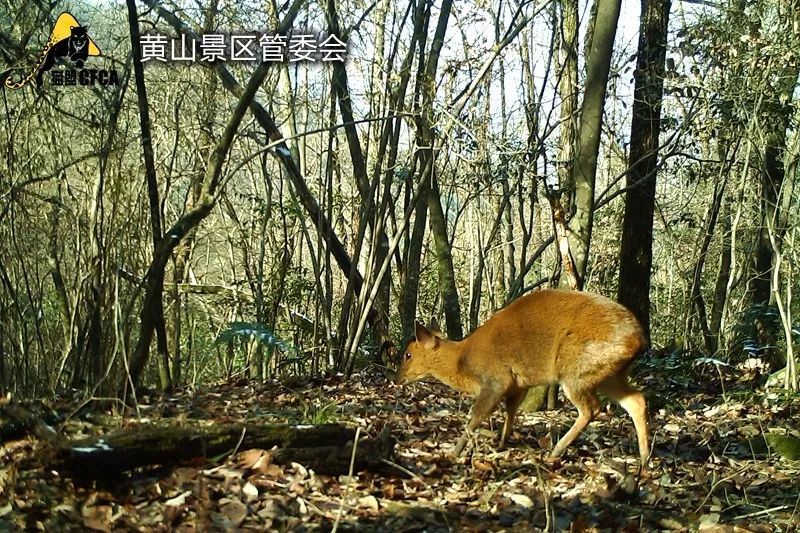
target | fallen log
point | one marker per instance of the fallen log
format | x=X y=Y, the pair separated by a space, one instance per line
x=326 y=449
x=22 y=421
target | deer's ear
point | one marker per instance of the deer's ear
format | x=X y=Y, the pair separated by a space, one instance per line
x=421 y=332
x=434 y=328
x=425 y=337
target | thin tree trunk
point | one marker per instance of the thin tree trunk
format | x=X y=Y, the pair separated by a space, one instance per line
x=413 y=249
x=721 y=284
x=561 y=201
x=598 y=65
x=380 y=315
x=444 y=257
x=444 y=261
x=281 y=150
x=697 y=306
x=543 y=396
x=776 y=122
x=636 y=252
x=152 y=188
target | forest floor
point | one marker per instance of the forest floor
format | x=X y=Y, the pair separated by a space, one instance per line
x=707 y=472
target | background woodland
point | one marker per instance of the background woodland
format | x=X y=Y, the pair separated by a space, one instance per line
x=198 y=223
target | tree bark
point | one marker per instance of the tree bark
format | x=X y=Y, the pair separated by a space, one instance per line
x=721 y=284
x=427 y=123
x=444 y=263
x=584 y=172
x=636 y=251
x=697 y=305
x=152 y=188
x=562 y=200
x=413 y=249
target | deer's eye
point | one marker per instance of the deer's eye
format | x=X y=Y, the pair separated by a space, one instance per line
x=408 y=356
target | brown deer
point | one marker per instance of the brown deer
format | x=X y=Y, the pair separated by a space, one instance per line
x=582 y=341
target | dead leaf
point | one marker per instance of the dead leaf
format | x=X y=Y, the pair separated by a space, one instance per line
x=302 y=472
x=370 y=502
x=250 y=491
x=253 y=459
x=178 y=500
x=97 y=517
x=234 y=510
x=521 y=500
x=482 y=466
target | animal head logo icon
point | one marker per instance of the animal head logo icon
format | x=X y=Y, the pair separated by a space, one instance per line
x=69 y=42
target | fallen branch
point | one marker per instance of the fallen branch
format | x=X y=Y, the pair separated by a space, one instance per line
x=326 y=449
x=23 y=421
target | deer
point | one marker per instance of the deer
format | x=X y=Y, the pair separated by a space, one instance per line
x=582 y=341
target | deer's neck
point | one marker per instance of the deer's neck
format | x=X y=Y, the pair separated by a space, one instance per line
x=452 y=368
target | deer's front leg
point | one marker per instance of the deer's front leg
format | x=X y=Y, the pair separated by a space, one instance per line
x=488 y=399
x=513 y=400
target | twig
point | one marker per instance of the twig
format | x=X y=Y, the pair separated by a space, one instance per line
x=716 y=484
x=241 y=438
x=349 y=481
x=763 y=511
x=548 y=509
x=402 y=469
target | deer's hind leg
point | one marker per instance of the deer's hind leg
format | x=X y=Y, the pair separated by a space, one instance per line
x=618 y=389
x=585 y=400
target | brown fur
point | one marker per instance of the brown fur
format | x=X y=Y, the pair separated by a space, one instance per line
x=582 y=341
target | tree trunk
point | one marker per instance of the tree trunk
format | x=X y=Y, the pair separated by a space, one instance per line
x=636 y=251
x=721 y=284
x=540 y=397
x=561 y=200
x=341 y=87
x=775 y=123
x=697 y=305
x=152 y=188
x=413 y=257
x=598 y=64
x=444 y=263
x=280 y=149
x=427 y=162
x=444 y=258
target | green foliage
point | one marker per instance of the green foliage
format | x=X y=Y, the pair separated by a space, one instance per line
x=318 y=413
x=746 y=330
x=251 y=330
x=787 y=446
